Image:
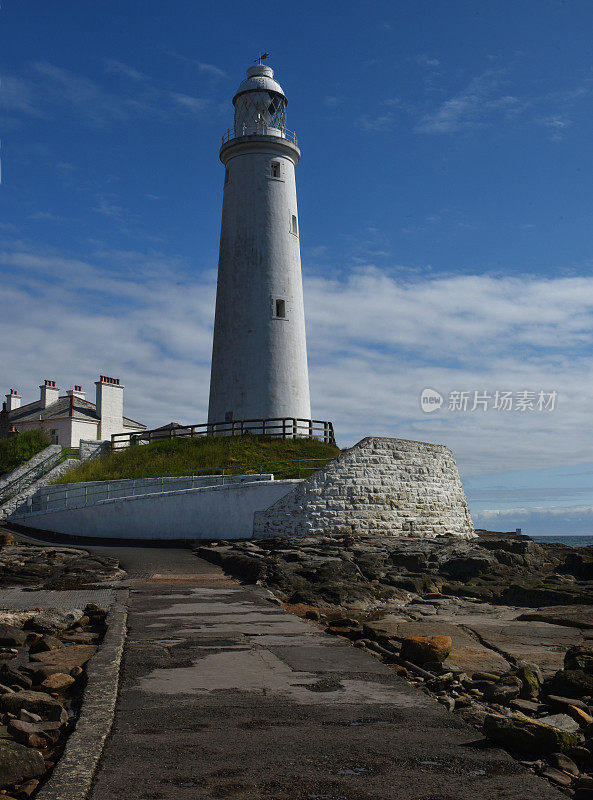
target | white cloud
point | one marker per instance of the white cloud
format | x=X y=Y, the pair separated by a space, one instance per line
x=211 y=69
x=194 y=104
x=479 y=104
x=375 y=342
x=115 y=67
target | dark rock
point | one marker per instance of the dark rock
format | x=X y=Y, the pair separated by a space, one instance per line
x=569 y=683
x=563 y=762
x=580 y=755
x=556 y=776
x=521 y=733
x=448 y=702
x=45 y=644
x=528 y=706
x=585 y=782
x=22 y=731
x=562 y=703
x=579 y=657
x=501 y=693
x=312 y=613
x=14 y=677
x=37 y=702
x=462 y=568
x=583 y=794
x=18 y=763
x=11 y=636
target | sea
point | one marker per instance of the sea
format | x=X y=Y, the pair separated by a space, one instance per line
x=571 y=541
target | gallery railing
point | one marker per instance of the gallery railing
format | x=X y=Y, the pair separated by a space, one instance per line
x=277 y=427
x=260 y=129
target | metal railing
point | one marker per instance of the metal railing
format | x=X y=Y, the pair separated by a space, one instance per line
x=33 y=474
x=61 y=496
x=277 y=427
x=260 y=129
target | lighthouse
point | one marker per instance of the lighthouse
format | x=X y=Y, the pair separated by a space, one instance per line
x=259 y=353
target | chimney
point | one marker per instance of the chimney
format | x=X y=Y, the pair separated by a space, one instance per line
x=110 y=406
x=76 y=392
x=13 y=400
x=49 y=393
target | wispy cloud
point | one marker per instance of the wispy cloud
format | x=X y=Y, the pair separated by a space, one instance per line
x=211 y=69
x=194 y=104
x=427 y=61
x=17 y=95
x=377 y=123
x=479 y=104
x=115 y=67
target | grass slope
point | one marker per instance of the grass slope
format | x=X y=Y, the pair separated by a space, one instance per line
x=205 y=456
x=15 y=450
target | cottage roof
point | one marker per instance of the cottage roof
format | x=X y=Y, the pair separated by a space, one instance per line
x=64 y=408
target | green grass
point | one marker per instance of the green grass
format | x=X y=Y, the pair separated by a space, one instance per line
x=15 y=450
x=205 y=456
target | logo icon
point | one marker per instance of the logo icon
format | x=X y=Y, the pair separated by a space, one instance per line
x=431 y=400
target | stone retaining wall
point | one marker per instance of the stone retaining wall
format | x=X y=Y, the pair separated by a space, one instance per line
x=391 y=486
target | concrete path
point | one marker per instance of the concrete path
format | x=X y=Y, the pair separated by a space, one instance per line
x=224 y=695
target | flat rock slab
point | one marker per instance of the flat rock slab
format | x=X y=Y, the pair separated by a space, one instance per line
x=467 y=652
x=569 y=616
x=534 y=641
x=212 y=706
x=45 y=664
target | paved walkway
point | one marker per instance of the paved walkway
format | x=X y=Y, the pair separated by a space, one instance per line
x=224 y=695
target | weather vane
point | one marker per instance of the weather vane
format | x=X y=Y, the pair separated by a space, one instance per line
x=261 y=58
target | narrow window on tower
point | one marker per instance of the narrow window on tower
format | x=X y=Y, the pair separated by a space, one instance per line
x=293 y=225
x=281 y=309
x=275 y=169
x=226 y=175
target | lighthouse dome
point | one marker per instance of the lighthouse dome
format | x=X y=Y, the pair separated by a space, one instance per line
x=260 y=103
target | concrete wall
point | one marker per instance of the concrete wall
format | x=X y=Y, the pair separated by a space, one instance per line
x=91 y=448
x=76 y=495
x=216 y=512
x=259 y=361
x=391 y=486
x=38 y=459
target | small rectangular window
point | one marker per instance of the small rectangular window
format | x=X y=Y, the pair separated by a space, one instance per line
x=226 y=175
x=275 y=169
x=293 y=225
x=280 y=309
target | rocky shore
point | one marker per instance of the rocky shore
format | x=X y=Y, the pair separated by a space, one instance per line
x=43 y=658
x=499 y=629
x=42 y=674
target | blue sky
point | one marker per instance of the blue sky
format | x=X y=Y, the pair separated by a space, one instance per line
x=445 y=204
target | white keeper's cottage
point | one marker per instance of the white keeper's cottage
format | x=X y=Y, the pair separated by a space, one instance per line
x=71 y=417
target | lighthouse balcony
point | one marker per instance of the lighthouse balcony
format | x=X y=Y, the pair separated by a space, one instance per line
x=259 y=129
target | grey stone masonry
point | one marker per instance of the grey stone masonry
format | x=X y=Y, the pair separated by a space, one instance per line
x=391 y=486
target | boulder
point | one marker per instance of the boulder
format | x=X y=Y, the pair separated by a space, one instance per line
x=563 y=762
x=14 y=677
x=579 y=657
x=519 y=732
x=421 y=649
x=45 y=644
x=36 y=702
x=58 y=682
x=561 y=721
x=570 y=683
x=531 y=679
x=10 y=636
x=501 y=693
x=53 y=621
x=18 y=763
x=24 y=731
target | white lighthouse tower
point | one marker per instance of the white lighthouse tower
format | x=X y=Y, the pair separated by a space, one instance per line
x=259 y=355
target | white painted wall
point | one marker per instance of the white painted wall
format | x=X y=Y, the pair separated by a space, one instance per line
x=75 y=495
x=259 y=362
x=110 y=408
x=216 y=512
